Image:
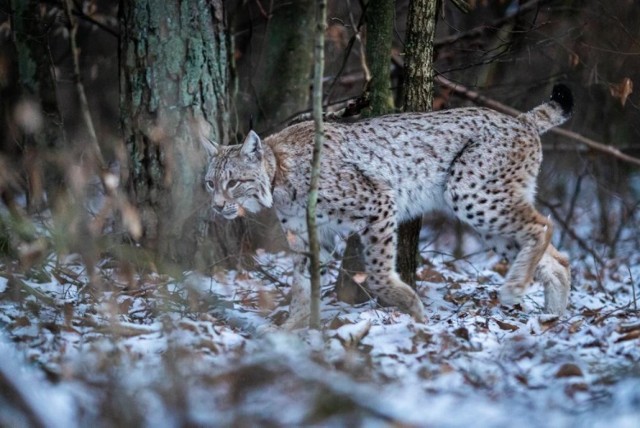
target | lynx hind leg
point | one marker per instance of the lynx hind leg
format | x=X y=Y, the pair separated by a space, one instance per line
x=554 y=274
x=532 y=232
x=379 y=239
x=502 y=210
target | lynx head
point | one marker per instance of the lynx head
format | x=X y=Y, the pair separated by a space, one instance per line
x=237 y=179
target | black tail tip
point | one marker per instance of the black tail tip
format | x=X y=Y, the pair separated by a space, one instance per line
x=562 y=95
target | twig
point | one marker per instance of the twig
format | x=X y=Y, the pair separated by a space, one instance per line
x=612 y=151
x=263 y=12
x=572 y=205
x=601 y=318
x=312 y=228
x=348 y=53
x=82 y=96
x=462 y=5
x=478 y=31
x=556 y=215
x=627 y=216
x=633 y=289
x=33 y=291
x=260 y=270
x=79 y=13
x=599 y=275
x=363 y=57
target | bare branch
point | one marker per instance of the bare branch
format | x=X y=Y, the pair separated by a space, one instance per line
x=560 y=220
x=350 y=45
x=498 y=106
x=479 y=31
x=82 y=96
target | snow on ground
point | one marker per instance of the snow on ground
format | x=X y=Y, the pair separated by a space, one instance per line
x=173 y=352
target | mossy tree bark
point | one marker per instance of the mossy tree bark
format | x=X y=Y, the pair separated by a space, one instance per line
x=418 y=96
x=174 y=78
x=379 y=20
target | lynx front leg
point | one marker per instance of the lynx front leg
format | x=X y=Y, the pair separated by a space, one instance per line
x=379 y=239
x=299 y=308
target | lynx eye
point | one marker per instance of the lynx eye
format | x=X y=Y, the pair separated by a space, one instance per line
x=232 y=183
x=209 y=184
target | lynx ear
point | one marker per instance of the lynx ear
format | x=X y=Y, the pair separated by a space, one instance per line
x=252 y=146
x=211 y=147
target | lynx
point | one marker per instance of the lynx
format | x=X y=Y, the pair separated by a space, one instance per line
x=478 y=164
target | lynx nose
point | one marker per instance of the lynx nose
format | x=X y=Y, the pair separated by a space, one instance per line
x=218 y=202
x=218 y=206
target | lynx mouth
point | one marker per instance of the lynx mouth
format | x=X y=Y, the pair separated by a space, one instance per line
x=229 y=211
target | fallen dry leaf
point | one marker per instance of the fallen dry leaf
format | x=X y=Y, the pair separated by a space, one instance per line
x=501 y=268
x=622 y=90
x=574 y=60
x=338 y=322
x=431 y=275
x=462 y=333
x=548 y=319
x=572 y=389
x=506 y=326
x=575 y=327
x=627 y=328
x=569 y=370
x=635 y=334
x=359 y=277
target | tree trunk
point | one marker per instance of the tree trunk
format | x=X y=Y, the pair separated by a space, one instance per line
x=37 y=88
x=347 y=289
x=174 y=83
x=421 y=26
x=379 y=19
x=283 y=76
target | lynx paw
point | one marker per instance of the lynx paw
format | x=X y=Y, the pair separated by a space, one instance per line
x=557 y=284
x=415 y=308
x=404 y=298
x=296 y=321
x=510 y=294
x=556 y=279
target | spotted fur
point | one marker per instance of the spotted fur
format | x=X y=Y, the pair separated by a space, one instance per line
x=479 y=164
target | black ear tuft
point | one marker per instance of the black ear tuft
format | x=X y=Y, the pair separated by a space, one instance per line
x=562 y=95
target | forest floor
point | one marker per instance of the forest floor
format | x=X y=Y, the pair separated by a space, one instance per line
x=173 y=352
